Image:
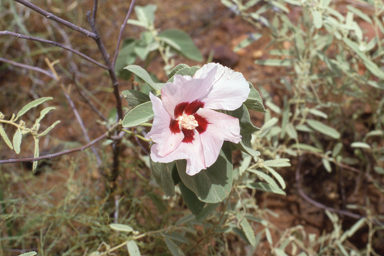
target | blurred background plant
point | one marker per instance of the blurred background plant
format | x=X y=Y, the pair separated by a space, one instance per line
x=321 y=82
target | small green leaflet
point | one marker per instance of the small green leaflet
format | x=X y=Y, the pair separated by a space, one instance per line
x=173 y=248
x=17 y=141
x=121 y=227
x=32 y=104
x=133 y=249
x=5 y=137
x=324 y=129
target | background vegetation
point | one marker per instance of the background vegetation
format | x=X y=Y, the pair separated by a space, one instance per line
x=318 y=66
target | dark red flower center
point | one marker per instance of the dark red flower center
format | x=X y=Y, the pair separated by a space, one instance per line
x=187 y=121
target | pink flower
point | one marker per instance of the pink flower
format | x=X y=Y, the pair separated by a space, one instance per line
x=186 y=125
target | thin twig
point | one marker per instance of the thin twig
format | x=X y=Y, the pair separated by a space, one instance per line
x=77 y=115
x=94 y=11
x=55 y=44
x=57 y=19
x=317 y=204
x=16 y=64
x=116 y=147
x=88 y=101
x=121 y=32
x=111 y=71
x=65 y=152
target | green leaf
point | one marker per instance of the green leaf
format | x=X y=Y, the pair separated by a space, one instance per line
x=359 y=13
x=263 y=186
x=277 y=176
x=32 y=104
x=281 y=162
x=267 y=127
x=127 y=56
x=28 y=254
x=247 y=228
x=176 y=69
x=49 y=128
x=185 y=219
x=254 y=100
x=307 y=148
x=246 y=126
x=191 y=200
x=265 y=177
x=214 y=184
x=317 y=112
x=336 y=149
x=291 y=131
x=176 y=236
x=43 y=113
x=182 y=42
x=360 y=145
x=163 y=176
x=173 y=248
x=378 y=169
x=274 y=62
x=246 y=129
x=324 y=129
x=35 y=153
x=135 y=98
x=317 y=19
x=143 y=74
x=17 y=141
x=187 y=71
x=133 y=249
x=207 y=210
x=250 y=39
x=121 y=227
x=146 y=14
x=5 y=137
x=371 y=66
x=138 y=115
x=327 y=165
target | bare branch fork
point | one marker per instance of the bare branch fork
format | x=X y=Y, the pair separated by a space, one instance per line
x=109 y=66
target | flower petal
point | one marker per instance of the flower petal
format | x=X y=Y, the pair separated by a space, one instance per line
x=229 y=91
x=166 y=141
x=221 y=127
x=192 y=152
x=186 y=89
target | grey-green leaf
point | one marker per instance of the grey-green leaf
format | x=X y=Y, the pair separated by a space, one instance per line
x=43 y=113
x=317 y=19
x=5 y=137
x=263 y=186
x=212 y=185
x=254 y=100
x=360 y=145
x=134 y=97
x=143 y=74
x=163 y=176
x=327 y=165
x=49 y=128
x=182 y=42
x=173 y=248
x=32 y=104
x=247 y=228
x=121 y=227
x=324 y=129
x=133 y=249
x=275 y=62
x=17 y=141
x=28 y=254
x=138 y=115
